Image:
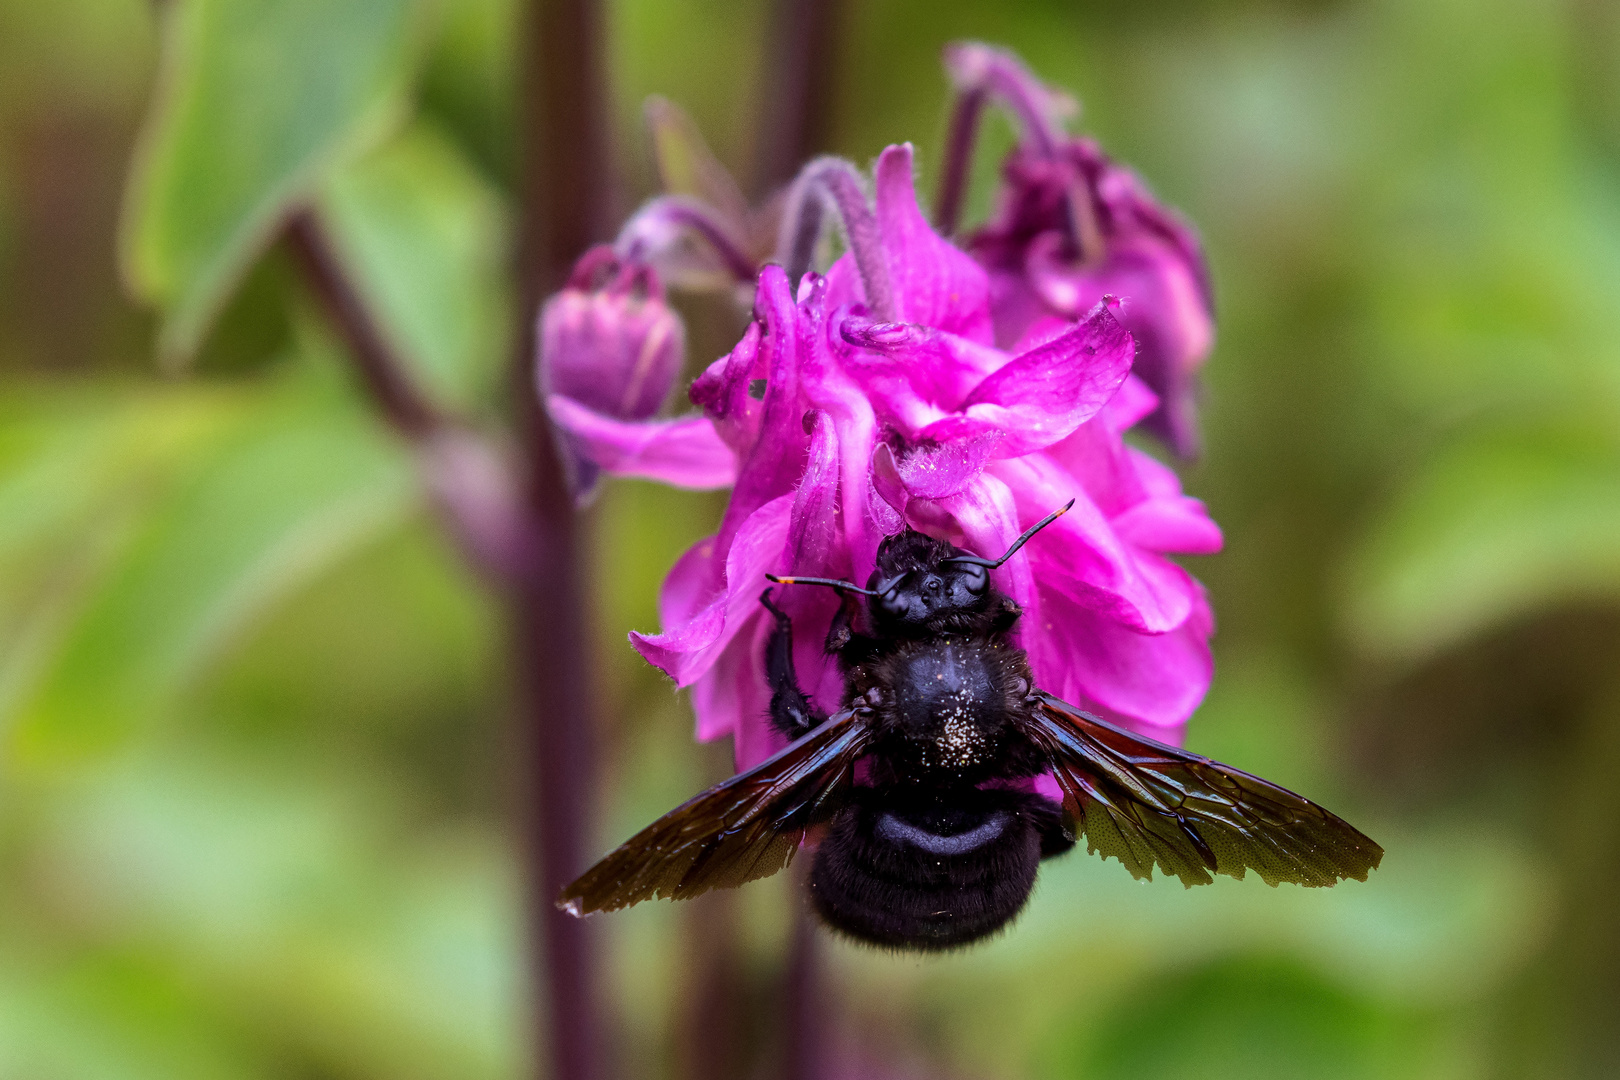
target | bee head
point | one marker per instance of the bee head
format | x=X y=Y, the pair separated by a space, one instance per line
x=917 y=586
x=924 y=585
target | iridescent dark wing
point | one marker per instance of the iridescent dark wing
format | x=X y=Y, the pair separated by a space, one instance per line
x=1149 y=804
x=746 y=828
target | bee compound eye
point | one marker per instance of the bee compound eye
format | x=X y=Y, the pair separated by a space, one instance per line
x=975 y=578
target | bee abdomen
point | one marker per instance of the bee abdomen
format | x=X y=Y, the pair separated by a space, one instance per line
x=926 y=875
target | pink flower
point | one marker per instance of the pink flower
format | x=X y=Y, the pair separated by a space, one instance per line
x=874 y=398
x=1072 y=226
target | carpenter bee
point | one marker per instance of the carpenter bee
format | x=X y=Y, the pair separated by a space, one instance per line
x=934 y=844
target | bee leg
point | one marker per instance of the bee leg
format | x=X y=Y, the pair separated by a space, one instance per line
x=791 y=710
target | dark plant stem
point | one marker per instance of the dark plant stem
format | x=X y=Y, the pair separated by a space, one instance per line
x=397 y=397
x=796 y=96
x=564 y=199
x=804 y=1006
x=521 y=530
x=959 y=147
x=983 y=74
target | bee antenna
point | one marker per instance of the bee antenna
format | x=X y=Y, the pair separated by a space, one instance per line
x=841 y=586
x=974 y=560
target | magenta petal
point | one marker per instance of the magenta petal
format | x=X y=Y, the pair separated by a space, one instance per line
x=1152 y=679
x=1082 y=556
x=1126 y=408
x=722 y=392
x=732 y=698
x=914 y=376
x=887 y=484
x=1040 y=397
x=684 y=453
x=935 y=283
x=937 y=470
x=685 y=651
x=1166 y=520
x=813 y=535
x=692 y=583
x=986 y=519
x=1177 y=525
x=776 y=460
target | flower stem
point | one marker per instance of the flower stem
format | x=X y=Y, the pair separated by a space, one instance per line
x=564 y=196
x=981 y=73
x=981 y=69
x=959 y=147
x=834 y=180
x=385 y=378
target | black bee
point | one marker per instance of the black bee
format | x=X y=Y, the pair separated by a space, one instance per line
x=934 y=848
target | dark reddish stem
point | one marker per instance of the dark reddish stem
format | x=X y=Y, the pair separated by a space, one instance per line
x=564 y=198
x=796 y=97
x=804 y=1009
x=387 y=380
x=959 y=147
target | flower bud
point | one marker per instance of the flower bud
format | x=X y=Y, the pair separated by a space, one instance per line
x=609 y=342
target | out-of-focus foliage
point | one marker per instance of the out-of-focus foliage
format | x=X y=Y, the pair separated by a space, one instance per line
x=423 y=233
x=257 y=103
x=252 y=768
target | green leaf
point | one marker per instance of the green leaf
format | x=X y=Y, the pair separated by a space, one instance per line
x=1489 y=530
x=279 y=885
x=258 y=102
x=293 y=487
x=422 y=234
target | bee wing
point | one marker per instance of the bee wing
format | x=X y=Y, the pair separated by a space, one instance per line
x=746 y=828
x=1146 y=803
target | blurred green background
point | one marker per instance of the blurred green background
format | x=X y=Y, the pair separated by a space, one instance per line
x=252 y=785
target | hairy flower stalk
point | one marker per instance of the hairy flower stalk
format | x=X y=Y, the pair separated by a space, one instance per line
x=1072 y=226
x=876 y=396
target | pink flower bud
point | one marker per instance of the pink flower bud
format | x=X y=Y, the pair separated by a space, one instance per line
x=610 y=344
x=609 y=341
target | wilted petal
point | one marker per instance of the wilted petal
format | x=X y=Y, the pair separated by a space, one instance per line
x=684 y=453
x=1165 y=309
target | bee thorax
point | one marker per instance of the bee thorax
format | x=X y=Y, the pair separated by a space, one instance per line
x=960 y=743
